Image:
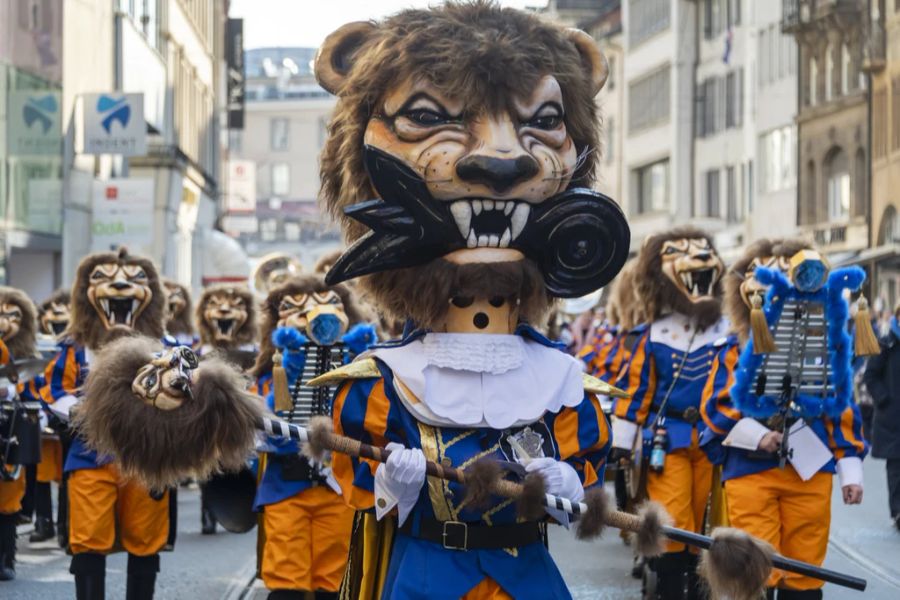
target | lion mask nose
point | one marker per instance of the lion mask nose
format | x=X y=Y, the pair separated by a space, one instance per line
x=499 y=174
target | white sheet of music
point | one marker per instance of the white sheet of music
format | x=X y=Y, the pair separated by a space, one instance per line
x=809 y=454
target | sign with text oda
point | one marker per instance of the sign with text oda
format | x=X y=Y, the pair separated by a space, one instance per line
x=112 y=123
x=123 y=215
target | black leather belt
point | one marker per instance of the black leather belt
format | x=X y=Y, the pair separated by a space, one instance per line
x=459 y=535
x=689 y=415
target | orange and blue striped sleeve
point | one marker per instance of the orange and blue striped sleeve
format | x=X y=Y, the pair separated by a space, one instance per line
x=4 y=353
x=362 y=411
x=616 y=357
x=845 y=438
x=262 y=385
x=61 y=376
x=638 y=379
x=583 y=437
x=30 y=391
x=716 y=407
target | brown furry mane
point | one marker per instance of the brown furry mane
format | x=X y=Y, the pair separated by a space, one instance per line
x=738 y=312
x=658 y=294
x=623 y=308
x=474 y=50
x=213 y=430
x=85 y=327
x=60 y=296
x=183 y=323
x=23 y=344
x=246 y=334
x=302 y=284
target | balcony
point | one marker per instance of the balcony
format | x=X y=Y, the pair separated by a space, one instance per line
x=874 y=47
x=831 y=237
x=798 y=15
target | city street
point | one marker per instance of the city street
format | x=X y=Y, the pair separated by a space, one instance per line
x=863 y=544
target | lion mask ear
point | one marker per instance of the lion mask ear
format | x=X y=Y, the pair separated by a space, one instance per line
x=334 y=58
x=591 y=56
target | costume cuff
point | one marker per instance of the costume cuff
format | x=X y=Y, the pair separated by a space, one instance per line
x=389 y=493
x=623 y=433
x=62 y=406
x=746 y=434
x=571 y=487
x=850 y=471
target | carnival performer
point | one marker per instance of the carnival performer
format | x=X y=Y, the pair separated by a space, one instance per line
x=114 y=294
x=305 y=531
x=53 y=318
x=226 y=317
x=677 y=278
x=787 y=505
x=180 y=314
x=449 y=115
x=18 y=327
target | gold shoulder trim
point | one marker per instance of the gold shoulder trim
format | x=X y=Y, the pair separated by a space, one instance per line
x=358 y=369
x=593 y=385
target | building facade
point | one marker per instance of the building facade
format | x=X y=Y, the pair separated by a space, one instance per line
x=287 y=114
x=832 y=123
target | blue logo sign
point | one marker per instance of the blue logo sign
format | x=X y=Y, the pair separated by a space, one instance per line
x=41 y=110
x=113 y=109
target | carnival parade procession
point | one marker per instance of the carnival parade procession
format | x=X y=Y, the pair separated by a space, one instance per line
x=438 y=299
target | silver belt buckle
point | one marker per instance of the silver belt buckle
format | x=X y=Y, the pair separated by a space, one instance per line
x=449 y=527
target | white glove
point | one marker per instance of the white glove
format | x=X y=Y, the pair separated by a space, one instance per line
x=398 y=481
x=559 y=477
x=560 y=480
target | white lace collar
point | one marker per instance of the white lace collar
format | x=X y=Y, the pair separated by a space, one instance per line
x=477 y=380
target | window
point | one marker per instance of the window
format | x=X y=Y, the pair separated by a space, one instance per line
x=829 y=72
x=846 y=80
x=880 y=114
x=610 y=145
x=711 y=193
x=646 y=18
x=734 y=95
x=861 y=178
x=734 y=12
x=837 y=185
x=777 y=159
x=813 y=91
x=649 y=100
x=653 y=187
x=731 y=196
x=763 y=56
x=708 y=108
x=280 y=131
x=268 y=229
x=281 y=179
x=749 y=180
x=292 y=231
x=235 y=141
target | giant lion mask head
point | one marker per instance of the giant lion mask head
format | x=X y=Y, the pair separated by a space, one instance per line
x=179 y=311
x=466 y=124
x=116 y=293
x=740 y=284
x=680 y=271
x=226 y=316
x=18 y=322
x=54 y=313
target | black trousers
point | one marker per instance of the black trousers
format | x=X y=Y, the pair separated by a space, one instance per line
x=893 y=478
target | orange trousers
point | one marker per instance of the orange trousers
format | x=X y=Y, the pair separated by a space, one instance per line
x=101 y=500
x=683 y=488
x=51 y=466
x=11 y=494
x=791 y=514
x=307 y=541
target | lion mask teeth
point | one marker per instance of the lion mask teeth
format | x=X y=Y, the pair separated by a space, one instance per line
x=486 y=223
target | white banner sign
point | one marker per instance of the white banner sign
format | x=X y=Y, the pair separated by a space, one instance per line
x=241 y=195
x=33 y=123
x=113 y=124
x=123 y=215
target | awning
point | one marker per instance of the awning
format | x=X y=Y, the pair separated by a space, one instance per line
x=889 y=253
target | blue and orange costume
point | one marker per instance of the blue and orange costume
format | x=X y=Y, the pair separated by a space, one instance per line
x=775 y=504
x=371 y=409
x=305 y=525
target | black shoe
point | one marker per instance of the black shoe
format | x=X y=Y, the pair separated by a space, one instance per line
x=141 y=581
x=207 y=522
x=637 y=566
x=671 y=575
x=43 y=530
x=325 y=596
x=89 y=570
x=23 y=519
x=8 y=547
x=286 y=595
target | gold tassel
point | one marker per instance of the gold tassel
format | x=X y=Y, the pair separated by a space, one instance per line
x=865 y=342
x=762 y=337
x=280 y=385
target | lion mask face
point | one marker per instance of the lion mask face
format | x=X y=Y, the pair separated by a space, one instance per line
x=693 y=266
x=165 y=382
x=175 y=300
x=55 y=318
x=119 y=293
x=10 y=320
x=489 y=166
x=320 y=315
x=225 y=313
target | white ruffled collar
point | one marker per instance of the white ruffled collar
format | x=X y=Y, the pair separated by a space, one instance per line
x=482 y=380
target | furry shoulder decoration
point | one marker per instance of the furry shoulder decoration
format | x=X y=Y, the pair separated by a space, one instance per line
x=116 y=293
x=839 y=386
